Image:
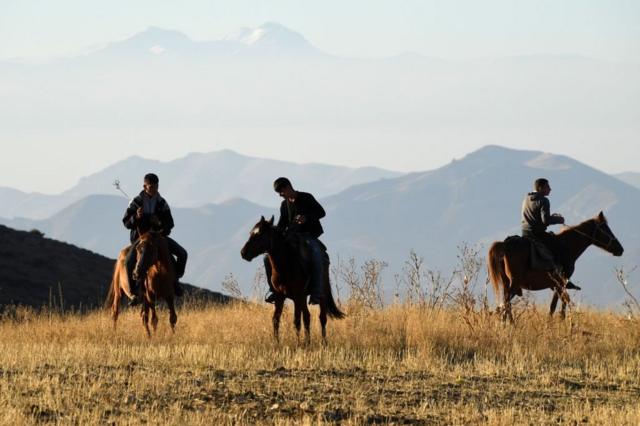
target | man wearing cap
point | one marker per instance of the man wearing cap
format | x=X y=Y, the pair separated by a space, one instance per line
x=149 y=211
x=300 y=215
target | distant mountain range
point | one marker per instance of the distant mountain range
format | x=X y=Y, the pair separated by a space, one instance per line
x=632 y=178
x=475 y=200
x=269 y=86
x=195 y=180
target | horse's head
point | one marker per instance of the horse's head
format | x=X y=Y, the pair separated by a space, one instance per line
x=147 y=250
x=603 y=237
x=259 y=239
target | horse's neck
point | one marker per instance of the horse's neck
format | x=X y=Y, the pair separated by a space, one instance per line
x=279 y=253
x=577 y=241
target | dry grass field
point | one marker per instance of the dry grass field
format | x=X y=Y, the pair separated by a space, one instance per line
x=398 y=365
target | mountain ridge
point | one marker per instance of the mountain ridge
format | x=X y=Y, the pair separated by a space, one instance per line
x=473 y=200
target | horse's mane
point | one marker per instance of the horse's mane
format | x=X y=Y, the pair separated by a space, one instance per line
x=580 y=226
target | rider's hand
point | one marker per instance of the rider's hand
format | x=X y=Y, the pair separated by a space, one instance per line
x=300 y=219
x=140 y=213
x=559 y=216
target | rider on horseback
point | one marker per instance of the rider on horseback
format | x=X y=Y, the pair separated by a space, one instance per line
x=300 y=216
x=149 y=211
x=536 y=217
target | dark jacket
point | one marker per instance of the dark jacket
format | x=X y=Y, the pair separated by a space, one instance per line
x=536 y=214
x=304 y=205
x=161 y=211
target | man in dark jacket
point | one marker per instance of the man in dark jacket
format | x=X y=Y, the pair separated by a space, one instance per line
x=536 y=217
x=300 y=214
x=149 y=211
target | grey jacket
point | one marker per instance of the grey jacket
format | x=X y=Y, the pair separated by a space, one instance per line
x=536 y=214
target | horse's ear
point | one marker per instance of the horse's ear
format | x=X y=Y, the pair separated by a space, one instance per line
x=272 y=220
x=262 y=219
x=601 y=217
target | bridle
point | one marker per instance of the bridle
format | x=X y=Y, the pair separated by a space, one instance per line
x=592 y=237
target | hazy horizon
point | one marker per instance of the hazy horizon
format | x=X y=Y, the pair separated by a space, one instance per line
x=536 y=87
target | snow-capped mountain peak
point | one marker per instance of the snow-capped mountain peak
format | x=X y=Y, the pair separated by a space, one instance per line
x=271 y=35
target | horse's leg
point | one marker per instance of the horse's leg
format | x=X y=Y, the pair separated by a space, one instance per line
x=564 y=296
x=145 y=318
x=323 y=322
x=276 y=318
x=306 y=317
x=560 y=290
x=154 y=318
x=554 y=303
x=506 y=276
x=506 y=301
x=297 y=317
x=115 y=306
x=173 y=317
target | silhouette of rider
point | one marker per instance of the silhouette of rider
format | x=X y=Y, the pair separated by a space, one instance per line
x=300 y=216
x=149 y=211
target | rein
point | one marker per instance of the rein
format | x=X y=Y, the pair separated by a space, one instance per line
x=593 y=238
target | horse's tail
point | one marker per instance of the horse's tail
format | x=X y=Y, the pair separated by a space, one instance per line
x=332 y=308
x=494 y=261
x=115 y=282
x=111 y=294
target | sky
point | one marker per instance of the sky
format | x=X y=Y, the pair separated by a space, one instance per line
x=35 y=158
x=356 y=28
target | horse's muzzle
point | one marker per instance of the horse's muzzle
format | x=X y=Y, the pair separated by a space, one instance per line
x=245 y=255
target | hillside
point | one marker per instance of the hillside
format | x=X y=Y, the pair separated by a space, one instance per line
x=40 y=272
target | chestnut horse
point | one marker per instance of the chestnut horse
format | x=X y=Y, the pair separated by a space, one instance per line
x=155 y=258
x=509 y=262
x=288 y=278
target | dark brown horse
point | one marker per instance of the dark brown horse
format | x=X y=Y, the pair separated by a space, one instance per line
x=155 y=258
x=288 y=278
x=509 y=262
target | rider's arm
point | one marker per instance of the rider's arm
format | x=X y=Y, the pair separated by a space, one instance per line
x=283 y=222
x=546 y=216
x=130 y=219
x=167 y=219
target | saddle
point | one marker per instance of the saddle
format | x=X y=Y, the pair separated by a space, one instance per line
x=541 y=258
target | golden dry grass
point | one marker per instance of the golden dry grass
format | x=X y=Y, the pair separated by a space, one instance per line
x=400 y=365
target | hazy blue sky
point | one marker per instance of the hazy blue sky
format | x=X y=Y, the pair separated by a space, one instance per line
x=453 y=29
x=52 y=157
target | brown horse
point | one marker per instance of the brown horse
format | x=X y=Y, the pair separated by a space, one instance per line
x=288 y=278
x=155 y=258
x=509 y=262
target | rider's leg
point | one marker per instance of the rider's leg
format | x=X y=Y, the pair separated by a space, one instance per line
x=181 y=255
x=134 y=284
x=317 y=271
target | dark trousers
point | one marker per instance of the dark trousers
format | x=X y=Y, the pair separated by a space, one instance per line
x=181 y=256
x=558 y=248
